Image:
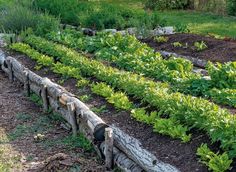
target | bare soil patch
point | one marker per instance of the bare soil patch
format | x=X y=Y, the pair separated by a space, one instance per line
x=217 y=51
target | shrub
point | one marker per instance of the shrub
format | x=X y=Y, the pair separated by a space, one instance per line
x=15 y=19
x=231 y=7
x=166 y=4
x=98 y=15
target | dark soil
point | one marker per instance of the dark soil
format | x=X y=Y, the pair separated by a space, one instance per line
x=19 y=151
x=168 y=150
x=217 y=51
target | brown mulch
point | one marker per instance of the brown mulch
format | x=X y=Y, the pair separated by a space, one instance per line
x=172 y=151
x=35 y=156
x=217 y=51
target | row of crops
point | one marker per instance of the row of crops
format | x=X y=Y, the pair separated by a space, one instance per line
x=126 y=69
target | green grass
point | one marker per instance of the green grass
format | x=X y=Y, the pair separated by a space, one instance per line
x=201 y=23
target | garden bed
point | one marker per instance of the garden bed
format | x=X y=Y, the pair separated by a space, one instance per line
x=168 y=150
x=216 y=51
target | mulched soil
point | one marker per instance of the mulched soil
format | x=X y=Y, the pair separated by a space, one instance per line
x=168 y=150
x=217 y=51
x=27 y=153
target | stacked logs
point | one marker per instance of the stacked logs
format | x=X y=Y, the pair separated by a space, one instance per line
x=117 y=147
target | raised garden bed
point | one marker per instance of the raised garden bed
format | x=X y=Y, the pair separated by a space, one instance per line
x=216 y=51
x=166 y=149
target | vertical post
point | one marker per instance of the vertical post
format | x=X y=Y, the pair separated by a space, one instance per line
x=26 y=83
x=44 y=96
x=109 y=148
x=72 y=117
x=9 y=65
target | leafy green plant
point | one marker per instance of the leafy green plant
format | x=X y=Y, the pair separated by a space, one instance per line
x=82 y=83
x=200 y=45
x=161 y=39
x=85 y=98
x=171 y=127
x=182 y=28
x=215 y=161
x=177 y=44
x=223 y=96
x=223 y=75
x=99 y=110
x=36 y=99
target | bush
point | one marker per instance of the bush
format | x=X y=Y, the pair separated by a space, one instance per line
x=97 y=15
x=14 y=19
x=166 y=4
x=231 y=7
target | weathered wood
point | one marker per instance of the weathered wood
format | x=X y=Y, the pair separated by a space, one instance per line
x=44 y=96
x=35 y=88
x=26 y=82
x=59 y=109
x=18 y=76
x=9 y=66
x=2 y=57
x=95 y=123
x=16 y=66
x=72 y=115
x=34 y=78
x=109 y=148
x=122 y=161
x=196 y=62
x=133 y=149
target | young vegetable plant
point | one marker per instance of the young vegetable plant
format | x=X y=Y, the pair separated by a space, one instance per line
x=161 y=39
x=215 y=161
x=200 y=45
x=177 y=44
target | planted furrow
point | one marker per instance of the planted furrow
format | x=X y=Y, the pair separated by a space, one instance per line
x=127 y=53
x=168 y=126
x=194 y=112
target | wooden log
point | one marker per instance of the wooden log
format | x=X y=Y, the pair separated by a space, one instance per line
x=44 y=96
x=18 y=76
x=96 y=124
x=9 y=66
x=108 y=148
x=72 y=116
x=17 y=67
x=2 y=57
x=35 y=88
x=196 y=62
x=26 y=82
x=133 y=149
x=122 y=161
x=34 y=78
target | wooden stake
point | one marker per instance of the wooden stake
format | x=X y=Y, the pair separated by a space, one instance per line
x=72 y=114
x=44 y=96
x=9 y=65
x=26 y=83
x=109 y=148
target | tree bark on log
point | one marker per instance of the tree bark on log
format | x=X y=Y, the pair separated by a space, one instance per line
x=109 y=148
x=132 y=148
x=72 y=115
x=122 y=161
x=197 y=62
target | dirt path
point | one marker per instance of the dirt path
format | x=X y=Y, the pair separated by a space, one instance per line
x=33 y=141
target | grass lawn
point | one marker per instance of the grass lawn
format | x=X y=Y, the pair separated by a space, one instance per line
x=201 y=23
